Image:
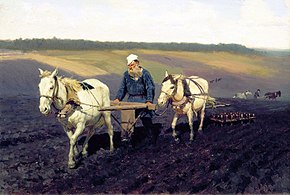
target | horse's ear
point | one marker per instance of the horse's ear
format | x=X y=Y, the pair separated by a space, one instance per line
x=54 y=73
x=166 y=73
x=40 y=71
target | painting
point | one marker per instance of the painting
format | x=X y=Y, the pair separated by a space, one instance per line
x=240 y=47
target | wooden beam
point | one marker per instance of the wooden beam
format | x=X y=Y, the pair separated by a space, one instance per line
x=127 y=106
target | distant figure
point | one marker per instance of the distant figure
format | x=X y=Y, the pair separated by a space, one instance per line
x=257 y=94
x=215 y=80
x=243 y=95
x=218 y=79
x=272 y=95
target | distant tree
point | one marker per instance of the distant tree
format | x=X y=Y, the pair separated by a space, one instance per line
x=80 y=44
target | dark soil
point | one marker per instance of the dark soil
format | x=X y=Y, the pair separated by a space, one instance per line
x=237 y=158
x=234 y=158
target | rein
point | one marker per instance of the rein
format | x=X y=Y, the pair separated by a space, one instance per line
x=163 y=111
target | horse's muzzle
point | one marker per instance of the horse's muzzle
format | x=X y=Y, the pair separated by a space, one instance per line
x=161 y=102
x=45 y=111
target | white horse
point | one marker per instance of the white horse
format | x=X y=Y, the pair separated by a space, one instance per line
x=53 y=92
x=187 y=95
x=243 y=95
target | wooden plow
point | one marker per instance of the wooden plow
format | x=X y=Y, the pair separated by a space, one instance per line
x=128 y=115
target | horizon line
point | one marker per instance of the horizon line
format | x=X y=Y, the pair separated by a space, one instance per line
x=262 y=48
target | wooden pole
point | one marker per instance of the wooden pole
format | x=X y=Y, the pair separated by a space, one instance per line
x=127 y=106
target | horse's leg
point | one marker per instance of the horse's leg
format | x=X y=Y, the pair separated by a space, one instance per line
x=107 y=118
x=173 y=125
x=86 y=143
x=67 y=129
x=79 y=130
x=69 y=133
x=202 y=112
x=190 y=122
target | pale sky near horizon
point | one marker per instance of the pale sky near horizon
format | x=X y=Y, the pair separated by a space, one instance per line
x=253 y=23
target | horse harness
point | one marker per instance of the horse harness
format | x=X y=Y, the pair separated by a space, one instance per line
x=188 y=96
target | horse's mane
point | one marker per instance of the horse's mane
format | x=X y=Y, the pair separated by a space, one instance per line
x=74 y=84
x=171 y=77
x=45 y=73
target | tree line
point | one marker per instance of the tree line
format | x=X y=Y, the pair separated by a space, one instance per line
x=80 y=44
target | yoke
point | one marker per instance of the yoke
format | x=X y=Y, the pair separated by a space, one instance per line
x=127 y=109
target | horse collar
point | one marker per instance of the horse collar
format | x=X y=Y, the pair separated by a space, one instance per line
x=183 y=101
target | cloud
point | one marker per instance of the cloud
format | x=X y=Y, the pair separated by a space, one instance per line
x=262 y=27
x=259 y=13
x=252 y=23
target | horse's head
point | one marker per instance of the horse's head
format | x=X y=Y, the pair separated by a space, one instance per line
x=247 y=93
x=168 y=86
x=47 y=90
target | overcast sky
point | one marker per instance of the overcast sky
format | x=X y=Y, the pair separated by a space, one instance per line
x=253 y=23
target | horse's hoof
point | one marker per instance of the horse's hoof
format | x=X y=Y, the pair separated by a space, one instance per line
x=177 y=140
x=84 y=155
x=72 y=165
x=125 y=144
x=189 y=143
x=200 y=132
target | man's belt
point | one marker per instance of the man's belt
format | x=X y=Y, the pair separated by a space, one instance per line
x=137 y=95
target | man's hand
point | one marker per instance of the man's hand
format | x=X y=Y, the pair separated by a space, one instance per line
x=116 y=101
x=150 y=106
x=149 y=103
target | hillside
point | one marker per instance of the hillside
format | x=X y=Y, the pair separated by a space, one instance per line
x=238 y=73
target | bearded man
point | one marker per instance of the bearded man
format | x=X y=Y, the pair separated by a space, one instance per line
x=137 y=82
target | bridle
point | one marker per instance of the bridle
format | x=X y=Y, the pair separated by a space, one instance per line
x=54 y=93
x=170 y=96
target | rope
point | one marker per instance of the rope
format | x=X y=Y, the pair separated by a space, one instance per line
x=89 y=91
x=199 y=87
x=163 y=111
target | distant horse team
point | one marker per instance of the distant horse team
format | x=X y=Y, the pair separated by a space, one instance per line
x=272 y=95
x=242 y=95
x=268 y=95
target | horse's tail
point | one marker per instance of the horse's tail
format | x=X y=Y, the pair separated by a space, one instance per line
x=211 y=101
